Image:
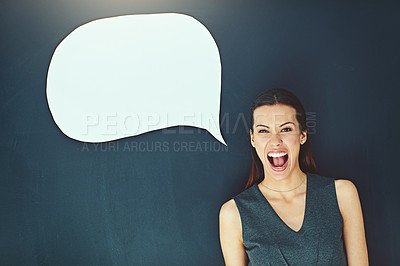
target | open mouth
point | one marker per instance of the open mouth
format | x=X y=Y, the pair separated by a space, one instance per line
x=278 y=160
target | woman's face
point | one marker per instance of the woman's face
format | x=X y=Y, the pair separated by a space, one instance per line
x=277 y=138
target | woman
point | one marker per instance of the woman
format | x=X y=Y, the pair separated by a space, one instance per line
x=288 y=213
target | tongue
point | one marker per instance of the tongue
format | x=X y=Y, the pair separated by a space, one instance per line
x=279 y=161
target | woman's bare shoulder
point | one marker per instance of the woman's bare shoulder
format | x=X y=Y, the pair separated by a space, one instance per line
x=230 y=222
x=347 y=195
x=345 y=188
x=229 y=210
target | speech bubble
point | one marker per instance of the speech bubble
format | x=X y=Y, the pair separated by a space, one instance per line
x=123 y=76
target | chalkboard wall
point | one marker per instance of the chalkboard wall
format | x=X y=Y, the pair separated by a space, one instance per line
x=154 y=199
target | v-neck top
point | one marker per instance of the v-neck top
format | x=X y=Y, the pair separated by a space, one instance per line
x=268 y=240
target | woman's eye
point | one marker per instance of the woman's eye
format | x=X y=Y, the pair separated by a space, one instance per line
x=262 y=131
x=286 y=129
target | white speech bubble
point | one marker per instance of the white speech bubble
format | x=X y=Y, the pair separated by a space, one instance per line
x=123 y=76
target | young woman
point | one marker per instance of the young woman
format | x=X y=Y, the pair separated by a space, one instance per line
x=288 y=213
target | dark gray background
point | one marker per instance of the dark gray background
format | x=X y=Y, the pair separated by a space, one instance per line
x=63 y=203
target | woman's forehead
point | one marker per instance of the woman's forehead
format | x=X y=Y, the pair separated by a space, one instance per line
x=275 y=114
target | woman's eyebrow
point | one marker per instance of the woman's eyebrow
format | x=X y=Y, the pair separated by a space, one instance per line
x=261 y=125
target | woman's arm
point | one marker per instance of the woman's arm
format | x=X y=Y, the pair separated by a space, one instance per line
x=230 y=233
x=353 y=224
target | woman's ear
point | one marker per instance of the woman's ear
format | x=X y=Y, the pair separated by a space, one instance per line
x=252 y=138
x=303 y=137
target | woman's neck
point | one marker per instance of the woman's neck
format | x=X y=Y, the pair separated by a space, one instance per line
x=285 y=186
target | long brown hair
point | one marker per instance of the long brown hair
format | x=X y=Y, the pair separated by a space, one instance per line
x=281 y=96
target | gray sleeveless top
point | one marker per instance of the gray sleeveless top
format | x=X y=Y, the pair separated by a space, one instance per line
x=269 y=241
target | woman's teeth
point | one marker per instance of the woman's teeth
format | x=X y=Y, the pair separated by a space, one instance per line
x=280 y=154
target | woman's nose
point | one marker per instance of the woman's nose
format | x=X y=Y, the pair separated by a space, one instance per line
x=276 y=139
